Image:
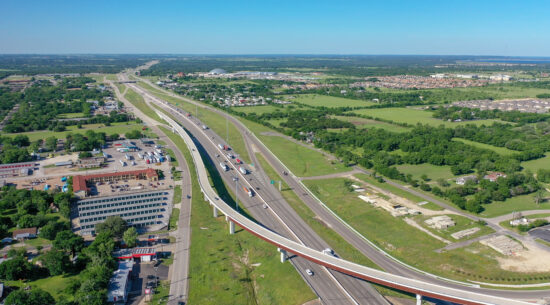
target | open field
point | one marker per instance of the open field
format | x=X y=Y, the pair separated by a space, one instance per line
x=433 y=172
x=55 y=285
x=263 y=109
x=368 y=123
x=397 y=191
x=534 y=165
x=316 y=100
x=71 y=115
x=302 y=161
x=237 y=269
x=414 y=116
x=476 y=262
x=514 y=204
x=500 y=150
x=120 y=128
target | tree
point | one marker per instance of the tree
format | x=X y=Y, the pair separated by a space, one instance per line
x=15 y=269
x=130 y=237
x=114 y=224
x=56 y=261
x=50 y=230
x=539 y=196
x=35 y=296
x=134 y=134
x=63 y=202
x=51 y=143
x=68 y=241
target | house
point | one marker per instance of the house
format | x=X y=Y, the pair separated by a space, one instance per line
x=464 y=179
x=494 y=176
x=27 y=233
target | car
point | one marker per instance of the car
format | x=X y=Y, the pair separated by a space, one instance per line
x=265 y=206
x=150 y=277
x=329 y=251
x=309 y=272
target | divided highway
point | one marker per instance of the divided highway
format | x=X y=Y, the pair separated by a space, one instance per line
x=383 y=278
x=440 y=289
x=354 y=238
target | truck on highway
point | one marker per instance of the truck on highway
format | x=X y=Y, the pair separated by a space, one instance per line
x=248 y=191
x=243 y=170
x=220 y=146
x=224 y=166
x=204 y=127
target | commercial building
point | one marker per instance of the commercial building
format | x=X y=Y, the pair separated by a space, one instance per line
x=143 y=254
x=80 y=182
x=16 y=169
x=119 y=283
x=140 y=202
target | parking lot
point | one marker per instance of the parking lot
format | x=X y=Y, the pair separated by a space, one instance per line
x=541 y=233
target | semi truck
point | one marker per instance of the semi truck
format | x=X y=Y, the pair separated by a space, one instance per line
x=224 y=166
x=248 y=191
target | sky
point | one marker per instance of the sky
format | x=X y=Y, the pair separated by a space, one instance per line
x=443 y=27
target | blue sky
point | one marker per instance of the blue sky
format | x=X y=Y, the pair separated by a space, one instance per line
x=516 y=28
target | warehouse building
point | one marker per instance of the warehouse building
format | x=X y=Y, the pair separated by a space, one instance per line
x=16 y=169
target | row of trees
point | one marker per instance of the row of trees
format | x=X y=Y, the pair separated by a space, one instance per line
x=454 y=113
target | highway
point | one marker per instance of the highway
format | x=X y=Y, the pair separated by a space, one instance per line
x=354 y=238
x=331 y=286
x=384 y=278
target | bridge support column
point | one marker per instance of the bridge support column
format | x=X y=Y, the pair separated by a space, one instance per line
x=231 y=227
x=214 y=211
x=418 y=299
x=226 y=218
x=284 y=257
x=205 y=198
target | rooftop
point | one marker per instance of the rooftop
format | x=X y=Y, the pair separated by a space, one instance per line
x=79 y=181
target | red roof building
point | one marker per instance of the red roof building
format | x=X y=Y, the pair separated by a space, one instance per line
x=80 y=182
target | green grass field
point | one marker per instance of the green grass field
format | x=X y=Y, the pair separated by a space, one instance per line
x=316 y=100
x=138 y=101
x=262 y=109
x=120 y=128
x=500 y=150
x=414 y=116
x=433 y=172
x=368 y=123
x=55 y=285
x=237 y=269
x=302 y=161
x=71 y=115
x=476 y=262
x=514 y=204
x=534 y=165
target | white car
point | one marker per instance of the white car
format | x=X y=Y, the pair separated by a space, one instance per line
x=309 y=272
x=265 y=206
x=329 y=251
